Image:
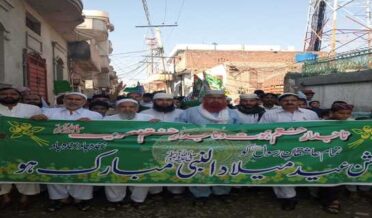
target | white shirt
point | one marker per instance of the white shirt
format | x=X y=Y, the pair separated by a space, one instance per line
x=273 y=108
x=165 y=117
x=247 y=118
x=149 y=104
x=138 y=117
x=280 y=115
x=20 y=110
x=63 y=114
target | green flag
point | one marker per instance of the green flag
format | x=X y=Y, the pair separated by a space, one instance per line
x=214 y=82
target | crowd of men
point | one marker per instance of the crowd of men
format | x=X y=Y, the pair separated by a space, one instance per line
x=214 y=108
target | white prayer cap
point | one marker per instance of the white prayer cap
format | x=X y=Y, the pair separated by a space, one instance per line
x=249 y=96
x=286 y=95
x=215 y=92
x=76 y=93
x=23 y=89
x=300 y=94
x=162 y=96
x=10 y=87
x=126 y=100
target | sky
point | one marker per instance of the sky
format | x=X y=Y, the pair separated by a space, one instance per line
x=251 y=22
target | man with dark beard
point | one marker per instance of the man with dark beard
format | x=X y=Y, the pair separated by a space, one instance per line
x=248 y=109
x=270 y=101
x=10 y=106
x=163 y=108
x=33 y=99
x=212 y=111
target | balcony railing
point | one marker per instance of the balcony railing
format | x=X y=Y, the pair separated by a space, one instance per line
x=62 y=15
x=352 y=61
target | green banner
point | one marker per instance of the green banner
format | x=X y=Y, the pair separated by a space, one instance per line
x=125 y=152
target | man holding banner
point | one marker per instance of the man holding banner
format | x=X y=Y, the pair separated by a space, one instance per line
x=72 y=110
x=290 y=112
x=212 y=111
x=248 y=109
x=164 y=110
x=127 y=111
x=10 y=106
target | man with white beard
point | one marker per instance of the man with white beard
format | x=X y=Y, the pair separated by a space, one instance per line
x=127 y=111
x=163 y=109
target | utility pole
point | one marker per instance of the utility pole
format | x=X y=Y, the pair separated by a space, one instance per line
x=156 y=45
x=174 y=66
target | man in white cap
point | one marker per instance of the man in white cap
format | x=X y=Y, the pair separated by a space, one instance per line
x=164 y=109
x=248 y=109
x=289 y=112
x=127 y=111
x=212 y=111
x=10 y=106
x=72 y=110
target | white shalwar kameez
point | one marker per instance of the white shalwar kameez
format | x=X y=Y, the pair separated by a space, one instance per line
x=78 y=192
x=280 y=115
x=20 y=111
x=118 y=193
x=165 y=117
x=199 y=116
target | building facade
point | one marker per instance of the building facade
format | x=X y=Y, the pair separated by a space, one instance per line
x=90 y=55
x=45 y=43
x=34 y=42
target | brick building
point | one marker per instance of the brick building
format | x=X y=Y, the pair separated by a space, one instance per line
x=245 y=77
x=243 y=68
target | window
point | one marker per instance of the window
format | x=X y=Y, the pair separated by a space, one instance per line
x=2 y=51
x=59 y=69
x=33 y=24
